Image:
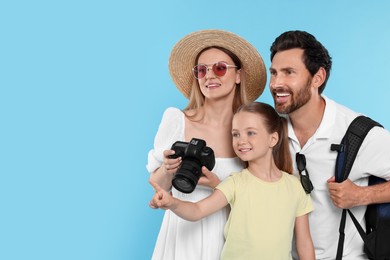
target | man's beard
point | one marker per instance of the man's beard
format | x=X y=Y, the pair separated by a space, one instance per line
x=298 y=100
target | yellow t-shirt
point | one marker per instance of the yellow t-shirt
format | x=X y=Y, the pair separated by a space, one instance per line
x=262 y=217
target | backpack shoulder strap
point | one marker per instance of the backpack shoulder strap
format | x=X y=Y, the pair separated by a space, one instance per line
x=347 y=152
x=350 y=144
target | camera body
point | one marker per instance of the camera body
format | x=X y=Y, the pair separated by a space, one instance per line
x=194 y=154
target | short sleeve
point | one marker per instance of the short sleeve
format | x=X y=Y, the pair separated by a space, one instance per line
x=227 y=187
x=375 y=149
x=170 y=130
x=305 y=204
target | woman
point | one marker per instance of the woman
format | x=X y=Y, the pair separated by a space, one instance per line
x=217 y=71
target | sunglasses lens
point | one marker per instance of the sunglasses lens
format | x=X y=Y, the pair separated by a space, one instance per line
x=219 y=69
x=305 y=179
x=200 y=71
x=301 y=161
x=306 y=183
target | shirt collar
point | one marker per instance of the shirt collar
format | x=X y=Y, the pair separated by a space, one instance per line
x=325 y=129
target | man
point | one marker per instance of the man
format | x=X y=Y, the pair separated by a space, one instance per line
x=299 y=72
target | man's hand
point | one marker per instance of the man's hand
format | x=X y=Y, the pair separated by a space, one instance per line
x=344 y=195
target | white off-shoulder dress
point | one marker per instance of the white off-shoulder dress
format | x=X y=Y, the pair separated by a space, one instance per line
x=180 y=239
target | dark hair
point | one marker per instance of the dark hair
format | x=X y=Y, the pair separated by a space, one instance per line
x=315 y=55
x=273 y=123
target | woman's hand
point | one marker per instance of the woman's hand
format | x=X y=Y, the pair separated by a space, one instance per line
x=164 y=174
x=170 y=165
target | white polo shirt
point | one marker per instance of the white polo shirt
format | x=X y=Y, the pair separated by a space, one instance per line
x=373 y=158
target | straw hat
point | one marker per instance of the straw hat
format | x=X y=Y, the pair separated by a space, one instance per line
x=184 y=53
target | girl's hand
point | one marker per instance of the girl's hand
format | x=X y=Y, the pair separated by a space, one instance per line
x=161 y=199
x=208 y=179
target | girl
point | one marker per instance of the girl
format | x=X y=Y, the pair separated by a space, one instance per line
x=267 y=203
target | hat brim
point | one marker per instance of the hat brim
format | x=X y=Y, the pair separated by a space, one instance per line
x=184 y=53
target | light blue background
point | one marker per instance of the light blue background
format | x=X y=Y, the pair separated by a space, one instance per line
x=83 y=85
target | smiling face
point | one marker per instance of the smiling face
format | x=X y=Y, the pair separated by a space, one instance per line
x=251 y=140
x=212 y=86
x=291 y=82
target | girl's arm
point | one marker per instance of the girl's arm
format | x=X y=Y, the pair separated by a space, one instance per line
x=304 y=243
x=185 y=209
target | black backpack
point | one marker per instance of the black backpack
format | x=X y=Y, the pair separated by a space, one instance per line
x=377 y=235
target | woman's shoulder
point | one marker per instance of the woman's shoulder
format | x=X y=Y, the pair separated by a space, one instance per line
x=172 y=123
x=172 y=114
x=173 y=111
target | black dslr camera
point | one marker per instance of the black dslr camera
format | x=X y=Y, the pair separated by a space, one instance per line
x=194 y=154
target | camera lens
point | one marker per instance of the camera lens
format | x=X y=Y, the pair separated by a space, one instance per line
x=187 y=176
x=183 y=184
